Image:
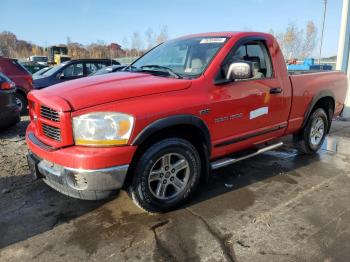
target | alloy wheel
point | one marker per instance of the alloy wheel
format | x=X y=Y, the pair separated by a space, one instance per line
x=169 y=176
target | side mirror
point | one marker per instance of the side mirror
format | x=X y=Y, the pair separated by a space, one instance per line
x=240 y=70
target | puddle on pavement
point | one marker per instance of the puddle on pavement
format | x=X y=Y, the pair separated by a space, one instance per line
x=118 y=221
x=290 y=153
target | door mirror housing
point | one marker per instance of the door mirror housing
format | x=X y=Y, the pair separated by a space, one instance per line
x=239 y=70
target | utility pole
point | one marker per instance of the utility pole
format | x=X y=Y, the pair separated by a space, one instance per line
x=343 y=61
x=323 y=22
x=344 y=38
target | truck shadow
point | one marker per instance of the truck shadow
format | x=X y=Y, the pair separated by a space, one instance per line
x=232 y=188
x=28 y=208
x=17 y=131
x=33 y=208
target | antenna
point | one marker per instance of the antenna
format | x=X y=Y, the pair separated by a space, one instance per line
x=322 y=32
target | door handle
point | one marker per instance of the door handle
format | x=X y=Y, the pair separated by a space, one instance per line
x=276 y=90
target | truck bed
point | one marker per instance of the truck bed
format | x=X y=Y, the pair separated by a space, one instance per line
x=308 y=85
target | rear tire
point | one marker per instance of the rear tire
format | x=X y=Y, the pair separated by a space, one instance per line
x=22 y=103
x=311 y=137
x=166 y=175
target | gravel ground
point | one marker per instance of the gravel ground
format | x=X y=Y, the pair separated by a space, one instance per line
x=279 y=206
x=14 y=173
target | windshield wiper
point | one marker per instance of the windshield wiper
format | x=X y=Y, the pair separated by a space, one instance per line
x=129 y=68
x=167 y=69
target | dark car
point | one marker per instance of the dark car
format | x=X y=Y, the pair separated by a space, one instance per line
x=9 y=111
x=21 y=77
x=109 y=69
x=70 y=70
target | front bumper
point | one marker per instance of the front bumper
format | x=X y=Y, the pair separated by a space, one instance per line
x=89 y=184
x=80 y=157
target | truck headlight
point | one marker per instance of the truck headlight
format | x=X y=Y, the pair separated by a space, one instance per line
x=102 y=129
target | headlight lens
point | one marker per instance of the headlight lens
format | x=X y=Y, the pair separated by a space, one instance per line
x=102 y=129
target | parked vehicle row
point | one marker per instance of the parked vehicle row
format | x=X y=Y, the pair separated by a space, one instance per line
x=70 y=70
x=22 y=79
x=186 y=107
x=9 y=111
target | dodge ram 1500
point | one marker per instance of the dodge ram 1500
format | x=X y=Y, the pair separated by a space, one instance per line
x=188 y=106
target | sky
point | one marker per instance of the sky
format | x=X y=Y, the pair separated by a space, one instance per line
x=49 y=22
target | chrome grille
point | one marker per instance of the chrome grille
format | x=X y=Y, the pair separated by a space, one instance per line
x=49 y=113
x=52 y=132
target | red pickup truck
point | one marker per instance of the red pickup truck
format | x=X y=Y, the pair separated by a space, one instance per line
x=186 y=107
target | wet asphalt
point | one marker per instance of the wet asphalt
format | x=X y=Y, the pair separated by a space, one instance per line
x=279 y=206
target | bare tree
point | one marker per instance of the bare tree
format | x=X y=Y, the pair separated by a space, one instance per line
x=69 y=41
x=297 y=43
x=163 y=35
x=37 y=50
x=150 y=38
x=8 y=42
x=136 y=43
x=292 y=40
x=76 y=50
x=309 y=43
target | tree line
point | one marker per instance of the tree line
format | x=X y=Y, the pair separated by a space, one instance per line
x=295 y=42
x=135 y=45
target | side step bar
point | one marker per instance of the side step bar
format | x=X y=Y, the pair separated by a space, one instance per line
x=228 y=161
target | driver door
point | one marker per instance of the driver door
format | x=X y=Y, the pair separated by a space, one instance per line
x=249 y=110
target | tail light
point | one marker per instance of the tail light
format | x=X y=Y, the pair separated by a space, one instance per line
x=7 y=85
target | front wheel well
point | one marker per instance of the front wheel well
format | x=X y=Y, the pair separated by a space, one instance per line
x=328 y=105
x=188 y=132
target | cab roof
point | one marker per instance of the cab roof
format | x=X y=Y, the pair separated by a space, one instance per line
x=228 y=34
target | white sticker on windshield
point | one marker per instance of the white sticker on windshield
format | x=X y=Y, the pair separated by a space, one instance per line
x=213 y=40
x=258 y=112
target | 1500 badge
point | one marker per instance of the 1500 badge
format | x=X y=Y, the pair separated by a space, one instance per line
x=226 y=118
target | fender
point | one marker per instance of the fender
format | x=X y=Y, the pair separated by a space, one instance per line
x=170 y=121
x=316 y=98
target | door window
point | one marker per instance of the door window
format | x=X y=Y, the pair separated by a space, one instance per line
x=257 y=53
x=93 y=67
x=74 y=70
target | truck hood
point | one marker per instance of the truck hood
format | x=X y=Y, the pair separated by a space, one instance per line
x=97 y=90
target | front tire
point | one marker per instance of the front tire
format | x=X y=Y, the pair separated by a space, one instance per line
x=166 y=175
x=312 y=136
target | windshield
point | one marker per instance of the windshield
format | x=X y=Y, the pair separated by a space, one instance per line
x=53 y=70
x=41 y=71
x=184 y=57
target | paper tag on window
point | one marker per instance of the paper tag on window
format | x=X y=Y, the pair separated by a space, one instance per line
x=213 y=40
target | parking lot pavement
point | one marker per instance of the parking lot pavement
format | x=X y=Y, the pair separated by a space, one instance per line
x=279 y=206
